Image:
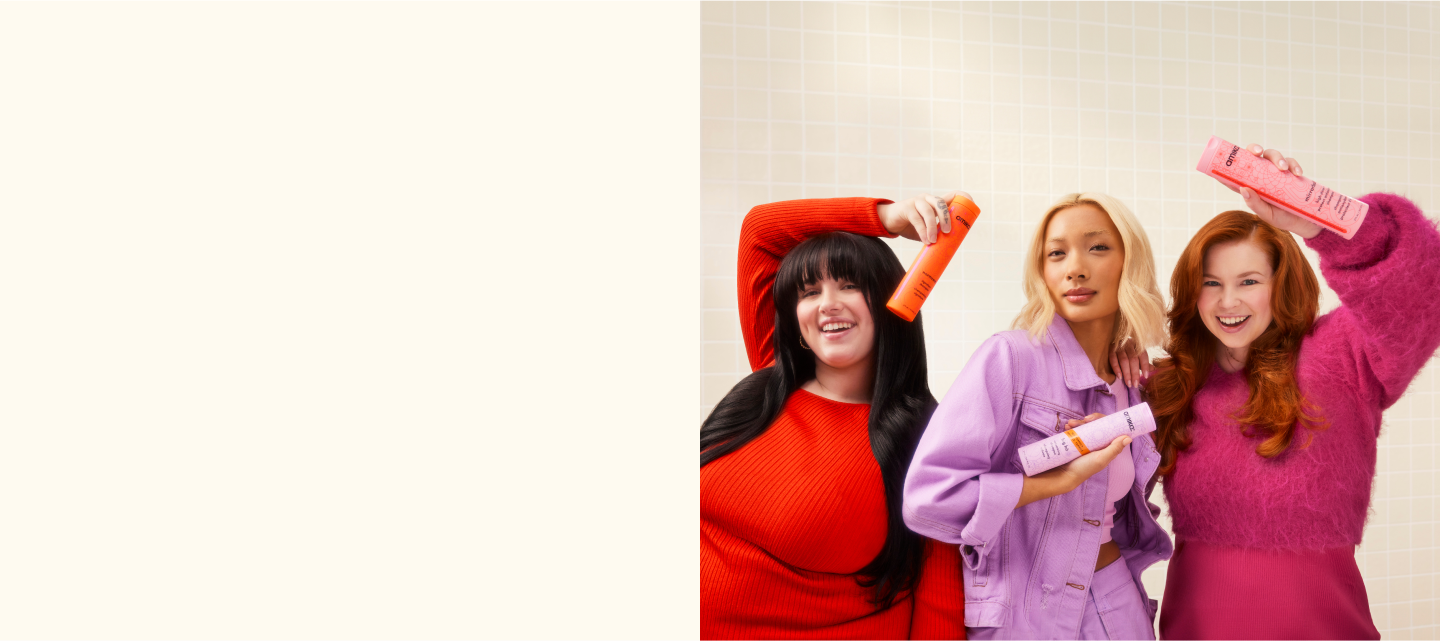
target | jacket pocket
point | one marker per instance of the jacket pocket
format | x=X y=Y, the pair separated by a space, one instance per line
x=1044 y=418
x=1038 y=420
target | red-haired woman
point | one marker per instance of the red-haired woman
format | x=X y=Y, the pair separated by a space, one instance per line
x=1267 y=416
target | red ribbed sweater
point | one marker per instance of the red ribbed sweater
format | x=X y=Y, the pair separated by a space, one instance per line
x=788 y=519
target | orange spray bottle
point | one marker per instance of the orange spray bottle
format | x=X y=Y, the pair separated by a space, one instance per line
x=932 y=259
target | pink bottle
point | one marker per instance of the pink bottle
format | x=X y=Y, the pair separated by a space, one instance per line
x=1237 y=167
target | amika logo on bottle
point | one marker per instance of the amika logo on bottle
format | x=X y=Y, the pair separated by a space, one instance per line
x=931 y=262
x=1231 y=160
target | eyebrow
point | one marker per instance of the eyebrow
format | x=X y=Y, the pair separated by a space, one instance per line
x=1088 y=234
x=1208 y=275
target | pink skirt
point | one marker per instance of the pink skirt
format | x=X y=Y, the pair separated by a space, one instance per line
x=1219 y=592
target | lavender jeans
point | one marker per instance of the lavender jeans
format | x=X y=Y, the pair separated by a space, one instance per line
x=1114 y=608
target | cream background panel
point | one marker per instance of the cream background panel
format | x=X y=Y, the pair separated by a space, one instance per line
x=320 y=320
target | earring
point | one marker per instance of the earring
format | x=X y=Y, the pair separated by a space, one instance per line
x=802 y=343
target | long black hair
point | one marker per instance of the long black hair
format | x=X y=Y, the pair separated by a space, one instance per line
x=900 y=405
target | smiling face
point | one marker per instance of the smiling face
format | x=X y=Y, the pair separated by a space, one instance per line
x=1235 y=291
x=836 y=323
x=1083 y=260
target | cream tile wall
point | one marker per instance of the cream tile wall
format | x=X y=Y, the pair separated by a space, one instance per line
x=1019 y=103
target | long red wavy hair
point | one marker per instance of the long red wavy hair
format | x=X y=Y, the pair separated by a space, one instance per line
x=1275 y=406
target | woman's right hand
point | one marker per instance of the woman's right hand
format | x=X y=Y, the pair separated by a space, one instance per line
x=1081 y=469
x=921 y=218
x=1070 y=475
x=1130 y=363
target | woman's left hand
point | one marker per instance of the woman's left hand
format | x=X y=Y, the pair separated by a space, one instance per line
x=1269 y=213
x=921 y=218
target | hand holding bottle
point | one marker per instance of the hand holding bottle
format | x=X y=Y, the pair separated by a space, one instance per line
x=1070 y=475
x=921 y=218
x=1270 y=213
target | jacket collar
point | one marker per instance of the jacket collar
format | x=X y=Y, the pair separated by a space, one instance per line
x=1079 y=373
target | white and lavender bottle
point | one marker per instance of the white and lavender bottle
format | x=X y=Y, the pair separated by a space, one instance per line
x=1095 y=435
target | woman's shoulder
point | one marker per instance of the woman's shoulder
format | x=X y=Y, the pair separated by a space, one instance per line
x=1331 y=343
x=1330 y=356
x=1022 y=346
x=1013 y=350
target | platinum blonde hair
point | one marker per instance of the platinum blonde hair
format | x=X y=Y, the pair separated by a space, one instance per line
x=1142 y=308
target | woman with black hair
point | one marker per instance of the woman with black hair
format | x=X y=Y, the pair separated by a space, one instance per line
x=803 y=462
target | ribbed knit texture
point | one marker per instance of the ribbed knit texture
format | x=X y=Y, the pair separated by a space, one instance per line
x=1358 y=361
x=787 y=520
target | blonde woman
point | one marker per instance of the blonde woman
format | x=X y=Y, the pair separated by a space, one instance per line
x=1057 y=555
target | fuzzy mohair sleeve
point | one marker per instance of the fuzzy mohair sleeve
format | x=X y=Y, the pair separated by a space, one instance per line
x=1388 y=279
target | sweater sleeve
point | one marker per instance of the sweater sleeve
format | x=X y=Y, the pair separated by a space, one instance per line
x=771 y=231
x=951 y=491
x=940 y=596
x=1387 y=277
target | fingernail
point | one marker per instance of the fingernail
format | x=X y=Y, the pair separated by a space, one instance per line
x=1282 y=164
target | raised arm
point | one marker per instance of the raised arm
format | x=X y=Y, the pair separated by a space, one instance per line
x=1388 y=281
x=1386 y=276
x=771 y=231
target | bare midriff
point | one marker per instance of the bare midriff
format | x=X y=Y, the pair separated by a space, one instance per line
x=1109 y=551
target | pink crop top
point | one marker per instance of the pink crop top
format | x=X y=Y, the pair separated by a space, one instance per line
x=1122 y=469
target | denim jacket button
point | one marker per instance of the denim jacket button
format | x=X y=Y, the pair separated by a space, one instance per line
x=1094 y=523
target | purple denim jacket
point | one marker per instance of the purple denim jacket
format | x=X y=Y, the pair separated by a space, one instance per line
x=1026 y=571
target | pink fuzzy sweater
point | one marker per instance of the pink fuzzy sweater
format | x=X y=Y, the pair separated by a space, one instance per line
x=1357 y=362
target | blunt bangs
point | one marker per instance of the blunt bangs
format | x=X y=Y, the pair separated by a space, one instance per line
x=840 y=256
